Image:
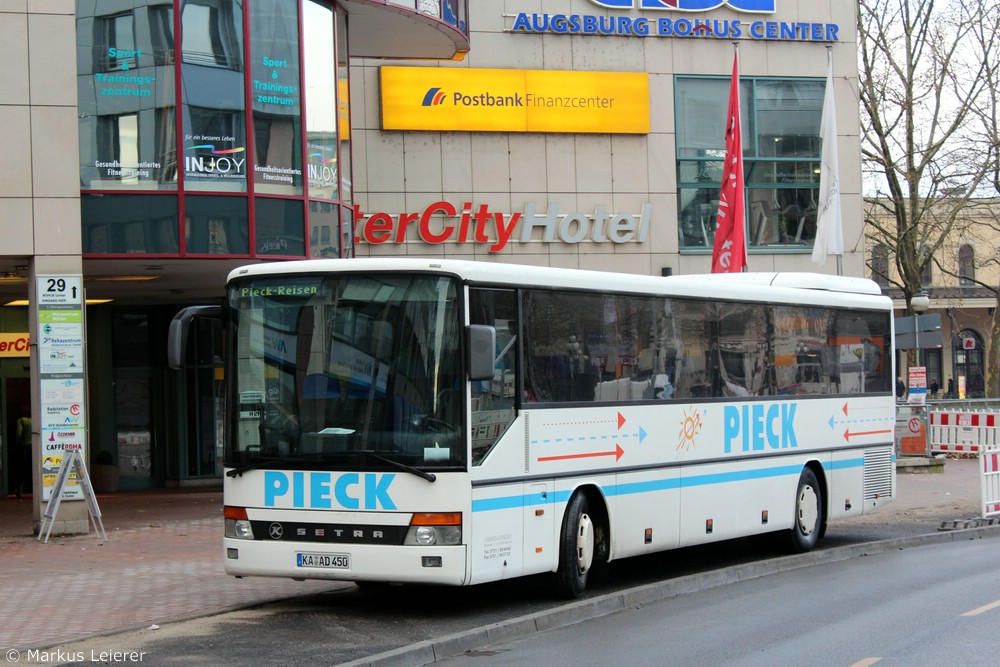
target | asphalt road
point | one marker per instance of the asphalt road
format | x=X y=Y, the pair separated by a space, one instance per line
x=365 y=626
x=860 y=611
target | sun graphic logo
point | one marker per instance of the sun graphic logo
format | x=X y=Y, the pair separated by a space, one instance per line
x=690 y=428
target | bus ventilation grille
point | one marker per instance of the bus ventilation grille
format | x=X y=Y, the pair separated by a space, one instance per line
x=878 y=473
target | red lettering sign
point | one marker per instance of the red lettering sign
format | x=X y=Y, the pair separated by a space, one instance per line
x=14 y=345
x=441 y=222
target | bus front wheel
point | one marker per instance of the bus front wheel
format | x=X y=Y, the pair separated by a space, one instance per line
x=577 y=546
x=808 y=521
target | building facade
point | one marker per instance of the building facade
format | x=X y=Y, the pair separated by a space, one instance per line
x=156 y=144
x=40 y=195
x=960 y=284
x=568 y=114
x=198 y=135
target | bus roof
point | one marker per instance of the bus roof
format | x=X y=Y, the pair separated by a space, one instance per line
x=799 y=280
x=792 y=287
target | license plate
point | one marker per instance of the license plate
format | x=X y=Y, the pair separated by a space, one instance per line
x=329 y=561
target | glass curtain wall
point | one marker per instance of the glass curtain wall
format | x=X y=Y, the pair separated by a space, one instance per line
x=276 y=97
x=780 y=119
x=207 y=128
x=239 y=147
x=127 y=104
x=328 y=130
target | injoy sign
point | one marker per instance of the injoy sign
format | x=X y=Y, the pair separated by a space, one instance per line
x=443 y=222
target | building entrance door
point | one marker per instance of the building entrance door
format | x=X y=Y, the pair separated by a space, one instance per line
x=16 y=404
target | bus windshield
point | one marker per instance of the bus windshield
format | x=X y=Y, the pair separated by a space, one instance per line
x=349 y=371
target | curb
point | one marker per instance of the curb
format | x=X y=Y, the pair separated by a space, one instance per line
x=429 y=651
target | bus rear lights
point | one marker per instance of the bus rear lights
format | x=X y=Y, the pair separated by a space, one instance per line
x=763 y=517
x=429 y=529
x=648 y=536
x=847 y=504
x=709 y=524
x=237 y=525
x=430 y=561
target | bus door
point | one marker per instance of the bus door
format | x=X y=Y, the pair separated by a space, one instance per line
x=493 y=400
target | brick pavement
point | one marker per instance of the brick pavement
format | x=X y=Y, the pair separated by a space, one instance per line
x=163 y=560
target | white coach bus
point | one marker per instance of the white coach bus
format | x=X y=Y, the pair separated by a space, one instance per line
x=450 y=422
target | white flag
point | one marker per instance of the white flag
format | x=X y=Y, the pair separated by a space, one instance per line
x=829 y=226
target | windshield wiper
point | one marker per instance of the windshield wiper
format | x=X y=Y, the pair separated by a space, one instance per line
x=247 y=467
x=423 y=474
x=259 y=463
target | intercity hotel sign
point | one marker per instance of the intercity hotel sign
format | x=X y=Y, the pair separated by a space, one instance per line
x=753 y=26
x=508 y=100
x=13 y=345
x=444 y=222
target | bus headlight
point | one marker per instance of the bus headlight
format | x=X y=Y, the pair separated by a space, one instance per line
x=426 y=536
x=428 y=529
x=237 y=525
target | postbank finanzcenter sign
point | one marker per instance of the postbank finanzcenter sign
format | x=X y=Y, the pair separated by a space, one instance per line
x=506 y=100
x=675 y=24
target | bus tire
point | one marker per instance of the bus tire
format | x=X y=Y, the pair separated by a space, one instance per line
x=808 y=521
x=577 y=547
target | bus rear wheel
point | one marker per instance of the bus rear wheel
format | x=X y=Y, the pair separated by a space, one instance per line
x=578 y=547
x=808 y=522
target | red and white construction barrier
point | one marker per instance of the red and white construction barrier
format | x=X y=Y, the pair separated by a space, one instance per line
x=989 y=465
x=963 y=432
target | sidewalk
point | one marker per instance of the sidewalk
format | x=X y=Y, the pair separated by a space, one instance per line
x=162 y=562
x=163 y=558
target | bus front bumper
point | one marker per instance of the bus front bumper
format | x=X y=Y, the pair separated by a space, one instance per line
x=445 y=565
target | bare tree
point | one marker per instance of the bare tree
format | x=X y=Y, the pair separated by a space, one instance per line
x=928 y=74
x=988 y=117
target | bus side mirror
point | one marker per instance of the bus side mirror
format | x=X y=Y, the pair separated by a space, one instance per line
x=482 y=351
x=180 y=326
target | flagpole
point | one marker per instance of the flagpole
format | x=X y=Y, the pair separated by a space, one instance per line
x=829 y=225
x=829 y=63
x=739 y=75
x=729 y=247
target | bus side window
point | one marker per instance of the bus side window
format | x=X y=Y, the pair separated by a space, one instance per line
x=686 y=335
x=493 y=400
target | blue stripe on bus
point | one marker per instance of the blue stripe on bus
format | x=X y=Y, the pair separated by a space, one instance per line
x=846 y=463
x=527 y=500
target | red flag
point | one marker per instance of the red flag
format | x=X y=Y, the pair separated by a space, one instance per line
x=729 y=255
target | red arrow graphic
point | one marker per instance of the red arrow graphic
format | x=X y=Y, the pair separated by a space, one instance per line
x=563 y=457
x=848 y=435
x=621 y=420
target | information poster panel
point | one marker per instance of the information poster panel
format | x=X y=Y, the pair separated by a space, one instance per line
x=62 y=378
x=918 y=385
